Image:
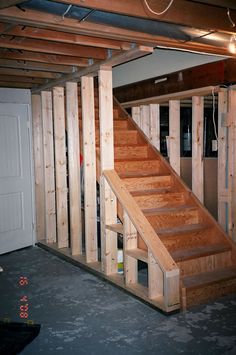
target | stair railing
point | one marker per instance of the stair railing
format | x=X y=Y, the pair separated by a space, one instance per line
x=163 y=273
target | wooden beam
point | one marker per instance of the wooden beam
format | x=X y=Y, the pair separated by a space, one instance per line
x=154 y=133
x=130 y=240
x=72 y=118
x=38 y=166
x=181 y=12
x=108 y=213
x=222 y=158
x=44 y=58
x=144 y=119
x=155 y=278
x=174 y=96
x=174 y=134
x=49 y=172
x=197 y=147
x=136 y=114
x=106 y=65
x=89 y=164
x=38 y=45
x=60 y=165
x=21 y=79
x=29 y=73
x=231 y=165
x=64 y=37
x=30 y=65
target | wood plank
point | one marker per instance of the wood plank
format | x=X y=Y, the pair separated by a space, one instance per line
x=7 y=3
x=131 y=151
x=56 y=59
x=231 y=165
x=137 y=165
x=198 y=252
x=154 y=129
x=108 y=216
x=205 y=91
x=60 y=165
x=155 y=278
x=74 y=167
x=40 y=45
x=197 y=147
x=117 y=228
x=136 y=115
x=174 y=135
x=144 y=119
x=108 y=206
x=138 y=254
x=222 y=158
x=89 y=164
x=49 y=171
x=160 y=200
x=130 y=242
x=38 y=166
x=30 y=65
x=28 y=73
x=153 y=182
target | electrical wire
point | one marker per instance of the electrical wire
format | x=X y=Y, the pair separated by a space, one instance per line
x=66 y=12
x=213 y=113
x=230 y=18
x=158 y=13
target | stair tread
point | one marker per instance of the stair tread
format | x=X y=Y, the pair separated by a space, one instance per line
x=152 y=191
x=135 y=159
x=210 y=277
x=183 y=229
x=138 y=254
x=138 y=174
x=199 y=251
x=179 y=208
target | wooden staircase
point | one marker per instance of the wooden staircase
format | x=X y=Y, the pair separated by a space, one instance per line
x=205 y=256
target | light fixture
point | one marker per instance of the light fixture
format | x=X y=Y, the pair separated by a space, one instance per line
x=232 y=44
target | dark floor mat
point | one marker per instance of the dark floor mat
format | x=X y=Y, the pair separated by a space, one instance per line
x=15 y=336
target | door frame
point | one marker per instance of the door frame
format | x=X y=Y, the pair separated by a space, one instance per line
x=23 y=97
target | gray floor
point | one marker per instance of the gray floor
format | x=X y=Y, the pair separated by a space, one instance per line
x=80 y=314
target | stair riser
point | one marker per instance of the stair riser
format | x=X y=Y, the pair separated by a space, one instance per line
x=169 y=220
x=121 y=137
x=184 y=241
x=137 y=166
x=161 y=200
x=130 y=152
x=205 y=263
x=148 y=183
x=203 y=294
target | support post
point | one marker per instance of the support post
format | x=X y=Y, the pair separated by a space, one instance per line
x=50 y=203
x=89 y=159
x=38 y=166
x=108 y=204
x=222 y=158
x=232 y=165
x=174 y=134
x=144 y=119
x=60 y=165
x=154 y=129
x=130 y=240
x=74 y=167
x=197 y=147
x=155 y=278
x=136 y=115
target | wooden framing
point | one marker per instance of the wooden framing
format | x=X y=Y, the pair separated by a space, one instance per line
x=144 y=119
x=49 y=173
x=130 y=241
x=74 y=167
x=60 y=166
x=222 y=159
x=38 y=166
x=108 y=213
x=155 y=278
x=197 y=147
x=136 y=114
x=174 y=134
x=231 y=165
x=89 y=168
x=154 y=131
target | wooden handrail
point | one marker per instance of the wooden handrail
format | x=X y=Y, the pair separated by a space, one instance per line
x=144 y=228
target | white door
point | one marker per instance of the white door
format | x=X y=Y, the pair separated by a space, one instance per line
x=16 y=216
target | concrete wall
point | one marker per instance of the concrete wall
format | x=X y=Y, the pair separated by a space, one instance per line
x=159 y=63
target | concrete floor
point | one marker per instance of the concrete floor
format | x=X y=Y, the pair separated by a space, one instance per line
x=81 y=314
